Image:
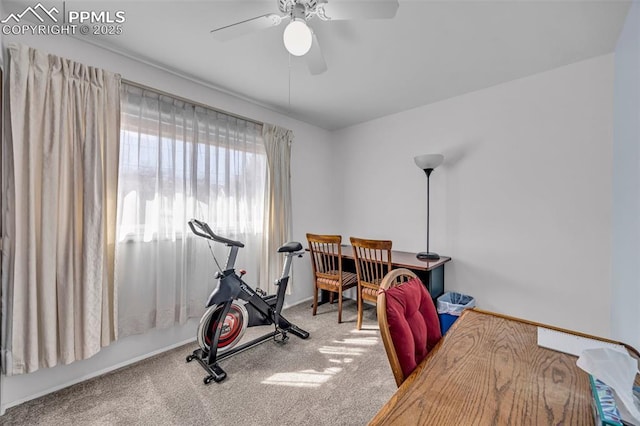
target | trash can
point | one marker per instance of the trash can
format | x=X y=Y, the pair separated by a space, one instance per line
x=450 y=307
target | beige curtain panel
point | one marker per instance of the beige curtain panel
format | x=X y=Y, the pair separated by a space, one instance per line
x=180 y=161
x=277 y=221
x=60 y=162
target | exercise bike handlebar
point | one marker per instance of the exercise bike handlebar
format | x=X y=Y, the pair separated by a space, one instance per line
x=201 y=229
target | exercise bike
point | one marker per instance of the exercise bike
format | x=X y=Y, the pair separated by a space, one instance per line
x=234 y=305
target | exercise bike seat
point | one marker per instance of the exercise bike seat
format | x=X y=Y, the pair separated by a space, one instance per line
x=290 y=247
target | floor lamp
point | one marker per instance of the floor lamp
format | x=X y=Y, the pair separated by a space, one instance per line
x=428 y=162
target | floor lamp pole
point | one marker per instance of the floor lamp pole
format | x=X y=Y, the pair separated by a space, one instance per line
x=427 y=163
x=428 y=173
x=428 y=255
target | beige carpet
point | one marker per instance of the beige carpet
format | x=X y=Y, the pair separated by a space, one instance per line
x=339 y=376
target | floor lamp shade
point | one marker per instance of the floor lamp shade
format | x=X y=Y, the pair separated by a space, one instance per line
x=428 y=162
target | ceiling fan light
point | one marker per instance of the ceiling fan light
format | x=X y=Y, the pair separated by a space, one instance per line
x=297 y=37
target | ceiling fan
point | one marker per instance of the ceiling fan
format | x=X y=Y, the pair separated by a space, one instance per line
x=298 y=37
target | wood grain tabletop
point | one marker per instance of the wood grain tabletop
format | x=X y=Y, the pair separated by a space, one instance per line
x=489 y=370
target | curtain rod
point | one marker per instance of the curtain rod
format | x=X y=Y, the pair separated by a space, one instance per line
x=190 y=101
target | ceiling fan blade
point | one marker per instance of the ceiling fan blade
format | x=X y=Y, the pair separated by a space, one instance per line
x=315 y=59
x=359 y=9
x=245 y=27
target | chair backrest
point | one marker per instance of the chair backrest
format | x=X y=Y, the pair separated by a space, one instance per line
x=326 y=255
x=409 y=324
x=373 y=260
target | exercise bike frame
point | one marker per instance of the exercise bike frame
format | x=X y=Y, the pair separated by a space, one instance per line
x=230 y=287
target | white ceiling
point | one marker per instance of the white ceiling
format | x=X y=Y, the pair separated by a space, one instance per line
x=431 y=50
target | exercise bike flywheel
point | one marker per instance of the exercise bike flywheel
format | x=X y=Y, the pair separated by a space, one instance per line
x=233 y=326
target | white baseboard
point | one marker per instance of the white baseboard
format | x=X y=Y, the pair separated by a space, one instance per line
x=310 y=299
x=286 y=306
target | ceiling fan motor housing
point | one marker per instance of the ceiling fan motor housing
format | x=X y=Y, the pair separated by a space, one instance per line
x=300 y=9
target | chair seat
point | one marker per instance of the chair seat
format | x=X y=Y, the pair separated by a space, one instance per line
x=370 y=290
x=370 y=293
x=349 y=279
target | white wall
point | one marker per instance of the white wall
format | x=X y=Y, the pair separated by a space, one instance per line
x=625 y=312
x=311 y=156
x=522 y=202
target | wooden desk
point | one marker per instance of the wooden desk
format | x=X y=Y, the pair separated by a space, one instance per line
x=431 y=272
x=489 y=370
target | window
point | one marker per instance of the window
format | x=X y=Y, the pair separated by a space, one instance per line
x=179 y=161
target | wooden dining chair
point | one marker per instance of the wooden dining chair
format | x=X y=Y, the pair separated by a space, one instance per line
x=326 y=261
x=373 y=262
x=409 y=324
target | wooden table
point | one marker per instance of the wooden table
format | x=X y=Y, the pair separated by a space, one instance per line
x=431 y=272
x=489 y=370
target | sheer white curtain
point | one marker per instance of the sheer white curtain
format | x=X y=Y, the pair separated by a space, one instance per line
x=59 y=164
x=179 y=161
x=277 y=224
